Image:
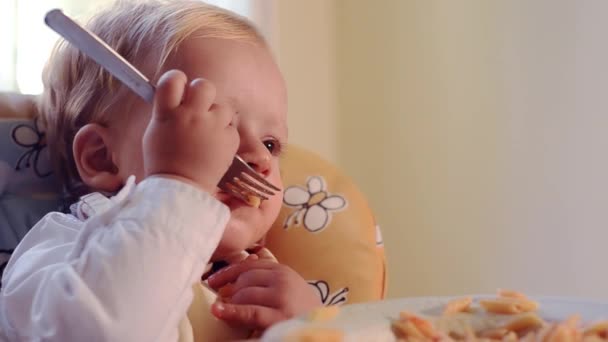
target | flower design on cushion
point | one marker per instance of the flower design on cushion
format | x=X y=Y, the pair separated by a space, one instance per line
x=314 y=204
x=34 y=140
x=336 y=298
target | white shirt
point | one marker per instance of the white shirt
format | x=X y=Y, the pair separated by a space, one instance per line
x=123 y=274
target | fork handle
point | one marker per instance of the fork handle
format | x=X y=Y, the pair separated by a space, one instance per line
x=91 y=45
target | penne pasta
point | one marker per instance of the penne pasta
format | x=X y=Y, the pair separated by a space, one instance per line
x=509 y=317
x=508 y=305
x=458 y=305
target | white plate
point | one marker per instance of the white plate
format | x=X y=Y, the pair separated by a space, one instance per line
x=370 y=321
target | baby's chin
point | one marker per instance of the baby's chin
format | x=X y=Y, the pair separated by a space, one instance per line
x=224 y=252
x=244 y=229
x=237 y=237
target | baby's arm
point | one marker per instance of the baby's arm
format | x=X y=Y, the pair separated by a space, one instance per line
x=127 y=274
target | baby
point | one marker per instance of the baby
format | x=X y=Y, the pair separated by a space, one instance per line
x=148 y=216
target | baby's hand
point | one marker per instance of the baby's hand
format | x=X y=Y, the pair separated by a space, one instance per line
x=188 y=135
x=262 y=293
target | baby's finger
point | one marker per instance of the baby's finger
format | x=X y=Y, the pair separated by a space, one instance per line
x=252 y=278
x=252 y=257
x=169 y=93
x=230 y=273
x=255 y=277
x=252 y=316
x=255 y=295
x=200 y=94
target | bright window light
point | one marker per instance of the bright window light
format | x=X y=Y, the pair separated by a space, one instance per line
x=22 y=27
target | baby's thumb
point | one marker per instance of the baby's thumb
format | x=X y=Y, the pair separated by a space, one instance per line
x=169 y=93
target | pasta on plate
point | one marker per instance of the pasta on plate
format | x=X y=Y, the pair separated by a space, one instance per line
x=511 y=316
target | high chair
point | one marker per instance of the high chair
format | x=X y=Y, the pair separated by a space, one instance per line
x=325 y=231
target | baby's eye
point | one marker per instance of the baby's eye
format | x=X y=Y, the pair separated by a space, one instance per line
x=273 y=146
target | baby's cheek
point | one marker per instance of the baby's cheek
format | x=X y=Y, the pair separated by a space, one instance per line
x=274 y=207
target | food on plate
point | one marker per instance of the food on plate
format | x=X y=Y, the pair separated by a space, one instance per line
x=510 y=317
x=324 y=314
x=458 y=305
x=508 y=305
x=315 y=334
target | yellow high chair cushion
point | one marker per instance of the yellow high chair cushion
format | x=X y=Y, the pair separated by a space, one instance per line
x=327 y=232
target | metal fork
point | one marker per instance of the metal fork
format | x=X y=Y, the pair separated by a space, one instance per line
x=240 y=180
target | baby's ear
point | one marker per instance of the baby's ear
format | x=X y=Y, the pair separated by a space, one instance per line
x=93 y=158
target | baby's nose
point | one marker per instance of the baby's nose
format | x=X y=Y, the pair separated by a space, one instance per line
x=259 y=159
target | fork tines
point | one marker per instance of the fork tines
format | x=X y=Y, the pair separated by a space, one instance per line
x=243 y=182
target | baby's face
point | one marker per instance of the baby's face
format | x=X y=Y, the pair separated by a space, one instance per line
x=250 y=84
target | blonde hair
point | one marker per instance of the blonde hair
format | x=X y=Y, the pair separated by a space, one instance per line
x=77 y=91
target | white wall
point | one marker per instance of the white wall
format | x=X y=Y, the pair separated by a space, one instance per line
x=306 y=55
x=479 y=131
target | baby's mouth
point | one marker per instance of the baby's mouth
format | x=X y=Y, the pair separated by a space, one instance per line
x=225 y=197
x=233 y=202
x=221 y=195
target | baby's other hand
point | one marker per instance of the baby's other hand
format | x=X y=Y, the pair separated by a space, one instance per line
x=188 y=135
x=261 y=293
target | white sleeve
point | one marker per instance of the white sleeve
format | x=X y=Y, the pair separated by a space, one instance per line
x=123 y=275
